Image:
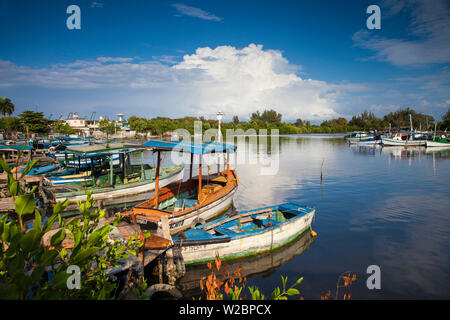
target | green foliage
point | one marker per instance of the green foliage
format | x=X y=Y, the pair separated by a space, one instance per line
x=63 y=128
x=35 y=121
x=445 y=124
x=235 y=292
x=270 y=116
x=279 y=294
x=26 y=263
x=400 y=118
x=268 y=119
x=106 y=125
x=6 y=106
x=11 y=124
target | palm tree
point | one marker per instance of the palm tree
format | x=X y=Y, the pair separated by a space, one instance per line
x=6 y=107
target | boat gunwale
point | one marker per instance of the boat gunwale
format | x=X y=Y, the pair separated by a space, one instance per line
x=249 y=233
x=111 y=189
x=142 y=212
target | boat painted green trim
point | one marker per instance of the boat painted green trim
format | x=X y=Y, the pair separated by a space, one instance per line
x=95 y=190
x=253 y=252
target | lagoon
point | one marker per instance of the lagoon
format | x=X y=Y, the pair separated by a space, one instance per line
x=385 y=206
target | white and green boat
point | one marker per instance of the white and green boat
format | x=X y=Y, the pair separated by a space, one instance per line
x=441 y=141
x=360 y=136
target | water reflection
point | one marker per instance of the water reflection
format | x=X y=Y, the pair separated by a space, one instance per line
x=261 y=265
x=400 y=152
x=375 y=205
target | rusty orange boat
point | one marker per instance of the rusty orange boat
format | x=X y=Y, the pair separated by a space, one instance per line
x=192 y=202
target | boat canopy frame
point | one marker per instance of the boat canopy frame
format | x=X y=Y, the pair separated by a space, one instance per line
x=199 y=149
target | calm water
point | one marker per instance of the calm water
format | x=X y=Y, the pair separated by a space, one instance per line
x=375 y=206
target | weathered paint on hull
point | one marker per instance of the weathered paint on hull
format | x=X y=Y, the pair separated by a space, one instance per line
x=256 y=244
x=366 y=142
x=207 y=212
x=438 y=144
x=140 y=188
x=392 y=142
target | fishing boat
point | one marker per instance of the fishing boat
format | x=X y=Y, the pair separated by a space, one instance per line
x=84 y=176
x=441 y=141
x=402 y=139
x=39 y=169
x=406 y=138
x=361 y=136
x=258 y=265
x=367 y=141
x=107 y=180
x=194 y=201
x=245 y=233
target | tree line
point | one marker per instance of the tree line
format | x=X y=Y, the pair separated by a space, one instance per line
x=267 y=119
x=270 y=119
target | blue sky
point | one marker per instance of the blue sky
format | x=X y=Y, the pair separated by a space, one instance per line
x=310 y=59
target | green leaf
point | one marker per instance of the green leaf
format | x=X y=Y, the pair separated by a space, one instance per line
x=49 y=223
x=48 y=258
x=37 y=220
x=82 y=255
x=60 y=206
x=21 y=151
x=276 y=292
x=13 y=185
x=298 y=281
x=5 y=166
x=30 y=241
x=60 y=280
x=28 y=168
x=292 y=291
x=25 y=204
x=58 y=237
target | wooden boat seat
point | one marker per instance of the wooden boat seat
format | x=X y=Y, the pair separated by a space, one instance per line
x=220 y=179
x=211 y=188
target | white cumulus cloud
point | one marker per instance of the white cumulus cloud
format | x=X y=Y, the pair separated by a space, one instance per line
x=236 y=81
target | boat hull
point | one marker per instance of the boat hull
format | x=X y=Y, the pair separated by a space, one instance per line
x=266 y=240
x=437 y=144
x=202 y=214
x=394 y=142
x=140 y=187
x=365 y=141
x=208 y=204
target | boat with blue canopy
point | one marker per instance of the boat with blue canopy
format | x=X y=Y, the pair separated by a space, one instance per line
x=191 y=202
x=107 y=178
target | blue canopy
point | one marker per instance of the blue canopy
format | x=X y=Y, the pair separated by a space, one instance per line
x=195 y=148
x=16 y=147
